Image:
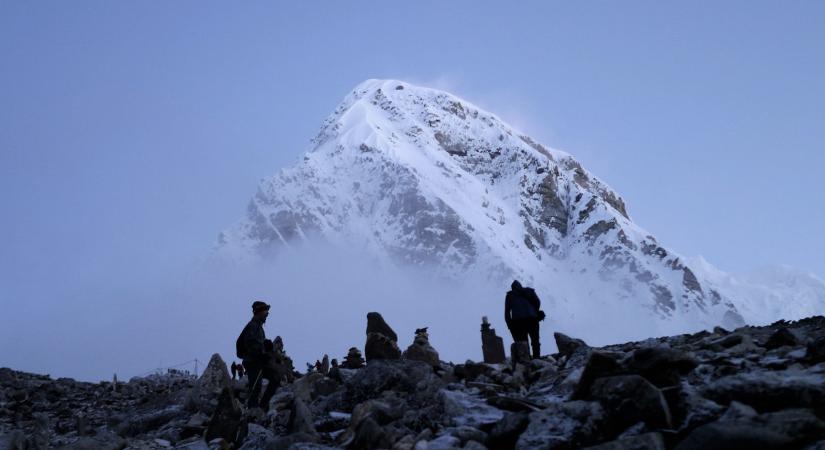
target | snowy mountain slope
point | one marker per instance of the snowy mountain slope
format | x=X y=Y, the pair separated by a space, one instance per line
x=421 y=177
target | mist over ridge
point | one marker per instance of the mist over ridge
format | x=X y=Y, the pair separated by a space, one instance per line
x=422 y=178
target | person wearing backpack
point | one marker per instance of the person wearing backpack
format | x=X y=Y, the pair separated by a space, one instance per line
x=522 y=314
x=251 y=348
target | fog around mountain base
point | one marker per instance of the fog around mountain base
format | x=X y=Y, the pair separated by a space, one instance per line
x=320 y=294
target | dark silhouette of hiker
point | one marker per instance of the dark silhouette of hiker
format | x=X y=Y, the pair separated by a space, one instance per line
x=522 y=314
x=251 y=347
x=234 y=369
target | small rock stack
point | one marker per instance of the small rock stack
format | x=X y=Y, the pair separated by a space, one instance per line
x=749 y=388
x=421 y=350
x=353 y=360
x=492 y=346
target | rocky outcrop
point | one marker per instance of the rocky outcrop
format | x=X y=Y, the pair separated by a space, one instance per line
x=752 y=387
x=567 y=345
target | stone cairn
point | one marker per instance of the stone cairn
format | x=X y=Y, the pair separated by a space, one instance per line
x=749 y=388
x=492 y=346
x=382 y=342
x=325 y=365
x=353 y=360
x=280 y=362
x=421 y=350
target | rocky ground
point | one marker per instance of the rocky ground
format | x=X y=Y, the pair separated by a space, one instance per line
x=751 y=388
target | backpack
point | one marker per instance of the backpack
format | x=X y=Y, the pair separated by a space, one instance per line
x=240 y=346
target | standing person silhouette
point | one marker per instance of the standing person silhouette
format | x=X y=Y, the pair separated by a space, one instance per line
x=522 y=314
x=251 y=347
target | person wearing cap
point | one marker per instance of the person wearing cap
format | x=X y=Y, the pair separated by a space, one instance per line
x=255 y=358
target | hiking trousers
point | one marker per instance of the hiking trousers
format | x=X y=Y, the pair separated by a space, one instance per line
x=521 y=329
x=256 y=374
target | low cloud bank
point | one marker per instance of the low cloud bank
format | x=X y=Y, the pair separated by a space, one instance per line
x=320 y=295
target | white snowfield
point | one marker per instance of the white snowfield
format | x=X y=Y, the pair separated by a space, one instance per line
x=420 y=177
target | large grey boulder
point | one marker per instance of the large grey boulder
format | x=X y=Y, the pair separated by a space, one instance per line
x=599 y=364
x=770 y=390
x=566 y=344
x=780 y=338
x=367 y=418
x=564 y=425
x=630 y=399
x=300 y=419
x=463 y=409
x=314 y=385
x=140 y=422
x=369 y=435
x=741 y=428
x=257 y=437
x=215 y=377
x=413 y=379
x=661 y=365
x=466 y=434
x=816 y=350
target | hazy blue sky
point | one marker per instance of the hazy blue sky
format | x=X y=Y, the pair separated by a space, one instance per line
x=131 y=134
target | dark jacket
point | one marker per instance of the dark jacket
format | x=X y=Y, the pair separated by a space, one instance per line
x=521 y=303
x=254 y=337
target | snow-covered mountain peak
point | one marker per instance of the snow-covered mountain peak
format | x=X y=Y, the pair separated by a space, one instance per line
x=374 y=105
x=418 y=176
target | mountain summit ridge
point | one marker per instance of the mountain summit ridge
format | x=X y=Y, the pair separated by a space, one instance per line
x=421 y=177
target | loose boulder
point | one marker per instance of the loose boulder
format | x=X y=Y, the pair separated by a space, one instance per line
x=564 y=425
x=816 y=350
x=661 y=365
x=505 y=433
x=630 y=399
x=780 y=338
x=227 y=422
x=780 y=430
x=566 y=344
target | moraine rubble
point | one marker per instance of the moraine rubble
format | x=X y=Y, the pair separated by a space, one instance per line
x=753 y=387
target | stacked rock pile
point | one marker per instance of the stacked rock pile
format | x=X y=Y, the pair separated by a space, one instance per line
x=753 y=387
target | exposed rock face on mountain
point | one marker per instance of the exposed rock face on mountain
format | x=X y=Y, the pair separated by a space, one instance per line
x=421 y=177
x=753 y=387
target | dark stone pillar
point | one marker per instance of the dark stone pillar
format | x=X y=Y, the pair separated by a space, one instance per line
x=491 y=345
